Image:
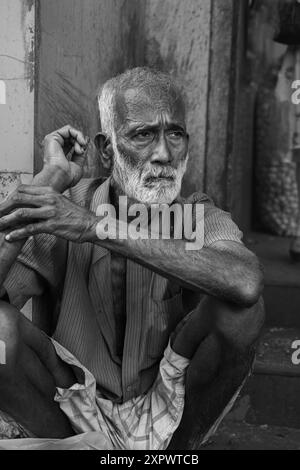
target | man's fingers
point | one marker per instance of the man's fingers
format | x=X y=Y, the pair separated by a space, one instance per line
x=25 y=232
x=7 y=206
x=23 y=215
x=17 y=200
x=68 y=133
x=60 y=135
x=35 y=190
x=78 y=149
x=78 y=135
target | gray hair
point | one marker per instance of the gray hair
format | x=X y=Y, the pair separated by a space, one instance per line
x=155 y=82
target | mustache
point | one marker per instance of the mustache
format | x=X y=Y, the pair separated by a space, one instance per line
x=168 y=173
x=147 y=174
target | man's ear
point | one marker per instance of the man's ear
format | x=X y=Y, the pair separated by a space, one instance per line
x=105 y=149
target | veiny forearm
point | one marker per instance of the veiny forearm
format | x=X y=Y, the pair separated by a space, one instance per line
x=226 y=270
x=226 y=275
x=53 y=176
x=10 y=251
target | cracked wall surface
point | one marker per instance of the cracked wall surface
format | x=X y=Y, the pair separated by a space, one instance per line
x=17 y=93
x=110 y=36
x=177 y=40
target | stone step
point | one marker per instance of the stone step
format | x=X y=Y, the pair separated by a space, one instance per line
x=276 y=353
x=282 y=278
x=271 y=395
x=243 y=436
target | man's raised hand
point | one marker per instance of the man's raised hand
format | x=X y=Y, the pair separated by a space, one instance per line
x=65 y=152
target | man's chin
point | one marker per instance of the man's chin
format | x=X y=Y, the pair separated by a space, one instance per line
x=161 y=195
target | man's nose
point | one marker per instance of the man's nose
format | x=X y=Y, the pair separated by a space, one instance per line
x=161 y=153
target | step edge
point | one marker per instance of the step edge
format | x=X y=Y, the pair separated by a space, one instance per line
x=267 y=369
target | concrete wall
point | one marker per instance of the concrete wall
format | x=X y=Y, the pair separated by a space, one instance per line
x=177 y=39
x=80 y=45
x=17 y=26
x=17 y=92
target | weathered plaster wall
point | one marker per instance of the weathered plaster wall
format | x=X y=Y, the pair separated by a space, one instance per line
x=17 y=97
x=81 y=45
x=17 y=23
x=177 y=39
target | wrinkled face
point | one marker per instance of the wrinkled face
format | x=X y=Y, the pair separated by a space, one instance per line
x=150 y=145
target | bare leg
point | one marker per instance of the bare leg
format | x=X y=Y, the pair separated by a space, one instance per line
x=29 y=377
x=218 y=338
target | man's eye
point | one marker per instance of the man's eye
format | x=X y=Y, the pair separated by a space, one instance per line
x=143 y=135
x=176 y=134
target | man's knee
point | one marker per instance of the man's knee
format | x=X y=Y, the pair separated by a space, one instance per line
x=9 y=338
x=239 y=326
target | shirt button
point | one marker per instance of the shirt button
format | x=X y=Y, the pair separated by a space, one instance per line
x=129 y=388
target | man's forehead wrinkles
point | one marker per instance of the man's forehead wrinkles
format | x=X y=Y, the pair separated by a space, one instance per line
x=135 y=109
x=134 y=121
x=139 y=99
x=161 y=117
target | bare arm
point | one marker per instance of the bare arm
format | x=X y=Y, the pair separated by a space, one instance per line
x=58 y=173
x=226 y=269
x=10 y=251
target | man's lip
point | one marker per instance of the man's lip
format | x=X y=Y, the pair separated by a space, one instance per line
x=152 y=179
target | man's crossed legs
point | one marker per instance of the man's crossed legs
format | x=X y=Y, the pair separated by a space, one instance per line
x=209 y=335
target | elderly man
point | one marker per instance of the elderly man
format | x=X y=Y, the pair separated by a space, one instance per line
x=143 y=325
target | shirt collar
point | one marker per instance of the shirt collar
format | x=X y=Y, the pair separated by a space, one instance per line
x=101 y=195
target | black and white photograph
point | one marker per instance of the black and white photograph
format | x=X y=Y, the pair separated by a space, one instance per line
x=149 y=228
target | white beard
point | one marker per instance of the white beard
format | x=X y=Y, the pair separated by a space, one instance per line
x=132 y=180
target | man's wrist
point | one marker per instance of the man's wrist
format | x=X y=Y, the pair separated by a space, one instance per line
x=90 y=232
x=54 y=176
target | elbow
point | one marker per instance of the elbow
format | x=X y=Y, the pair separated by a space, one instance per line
x=251 y=288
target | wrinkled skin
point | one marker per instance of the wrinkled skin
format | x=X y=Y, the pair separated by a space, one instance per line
x=150 y=130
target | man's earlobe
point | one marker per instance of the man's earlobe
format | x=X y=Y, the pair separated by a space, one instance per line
x=105 y=149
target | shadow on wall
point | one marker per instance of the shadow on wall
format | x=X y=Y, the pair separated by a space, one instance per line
x=82 y=44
